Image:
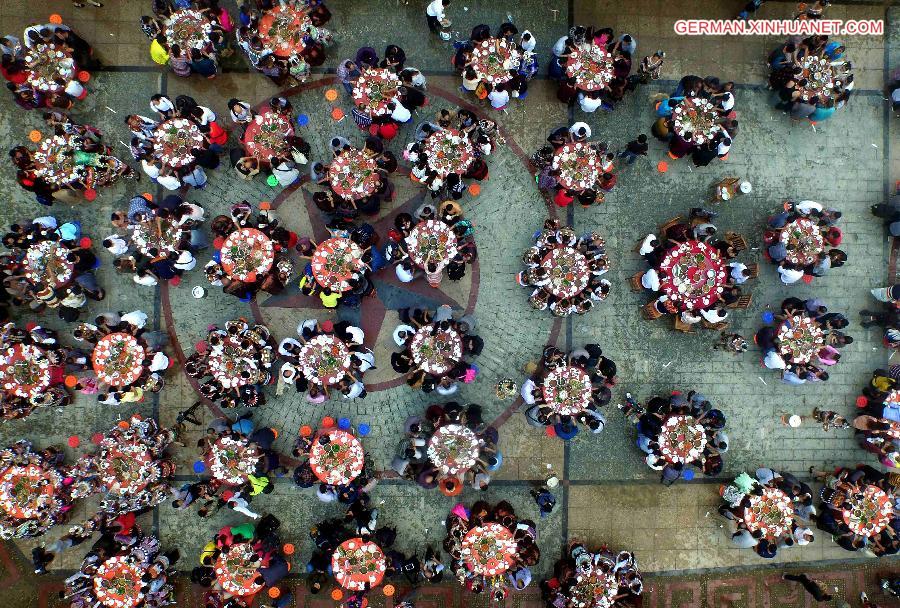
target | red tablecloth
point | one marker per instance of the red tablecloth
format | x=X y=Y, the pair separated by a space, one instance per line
x=267 y=135
x=283 y=28
x=118 y=359
x=357 y=563
x=489 y=549
x=338 y=462
x=247 y=254
x=335 y=261
x=591 y=66
x=353 y=175
x=694 y=275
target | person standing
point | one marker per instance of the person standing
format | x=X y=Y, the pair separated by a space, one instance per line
x=434 y=13
x=812 y=587
x=634 y=148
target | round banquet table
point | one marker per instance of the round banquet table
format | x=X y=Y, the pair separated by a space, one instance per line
x=226 y=363
x=800 y=338
x=230 y=461
x=338 y=462
x=358 y=564
x=453 y=448
x=44 y=63
x=697 y=116
x=693 y=275
x=234 y=571
x=448 y=152
x=53 y=160
x=266 y=136
x=569 y=274
x=567 y=389
x=335 y=261
x=770 y=513
x=247 y=254
x=118 y=359
x=283 y=29
x=682 y=439
x=25 y=370
x=494 y=58
x=436 y=354
x=807 y=240
x=594 y=589
x=173 y=140
x=375 y=89
x=117 y=583
x=46 y=264
x=870 y=512
x=591 y=67
x=189 y=29
x=489 y=550
x=21 y=493
x=431 y=241
x=325 y=359
x=167 y=239
x=352 y=175
x=578 y=166
x=820 y=78
x=127 y=467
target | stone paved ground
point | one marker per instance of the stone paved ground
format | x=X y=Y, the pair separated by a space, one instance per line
x=608 y=495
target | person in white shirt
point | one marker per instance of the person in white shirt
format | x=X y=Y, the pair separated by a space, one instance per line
x=589 y=102
x=806 y=207
x=650 y=280
x=690 y=318
x=527 y=41
x=186 y=261
x=559 y=46
x=143 y=277
x=152 y=168
x=580 y=131
x=357 y=335
x=527 y=391
x=159 y=362
x=648 y=244
x=241 y=112
x=723 y=147
x=169 y=182
x=283 y=351
x=790 y=276
x=434 y=14
x=499 y=97
x=286 y=172
x=773 y=360
x=74 y=89
x=470 y=79
x=136 y=318
x=446 y=387
x=115 y=244
x=196 y=178
x=354 y=390
x=405 y=272
x=399 y=112
x=727 y=100
x=163 y=105
x=737 y=272
x=714 y=315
